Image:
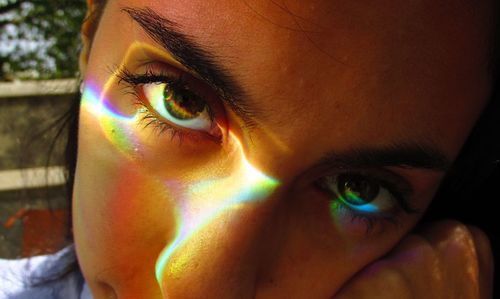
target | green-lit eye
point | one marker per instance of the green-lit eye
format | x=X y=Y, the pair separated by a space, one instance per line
x=360 y=193
x=178 y=105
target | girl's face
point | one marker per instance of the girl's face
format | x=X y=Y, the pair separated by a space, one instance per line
x=266 y=149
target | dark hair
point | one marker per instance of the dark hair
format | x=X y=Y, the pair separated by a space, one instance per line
x=464 y=192
x=69 y=120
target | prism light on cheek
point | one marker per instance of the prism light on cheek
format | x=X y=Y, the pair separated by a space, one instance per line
x=114 y=125
x=204 y=201
x=197 y=203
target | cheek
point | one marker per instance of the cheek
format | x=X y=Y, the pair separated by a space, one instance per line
x=123 y=215
x=131 y=189
x=135 y=207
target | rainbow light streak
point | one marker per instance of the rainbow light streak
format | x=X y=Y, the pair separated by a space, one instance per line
x=202 y=202
x=336 y=205
x=114 y=125
x=208 y=199
x=367 y=208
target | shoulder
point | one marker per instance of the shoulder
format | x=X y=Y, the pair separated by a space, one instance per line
x=43 y=277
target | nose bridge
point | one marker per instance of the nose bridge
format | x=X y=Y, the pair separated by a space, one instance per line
x=220 y=224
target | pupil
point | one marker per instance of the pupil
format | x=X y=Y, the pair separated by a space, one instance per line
x=357 y=189
x=183 y=105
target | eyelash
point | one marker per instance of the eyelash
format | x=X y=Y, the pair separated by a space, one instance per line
x=399 y=191
x=176 y=83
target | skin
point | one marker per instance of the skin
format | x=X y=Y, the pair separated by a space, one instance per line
x=361 y=75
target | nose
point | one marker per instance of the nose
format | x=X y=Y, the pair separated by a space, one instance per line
x=222 y=259
x=221 y=231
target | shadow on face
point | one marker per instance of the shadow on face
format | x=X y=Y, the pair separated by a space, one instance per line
x=266 y=149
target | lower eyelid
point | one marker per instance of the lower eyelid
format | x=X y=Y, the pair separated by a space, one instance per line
x=150 y=119
x=381 y=221
x=215 y=135
x=341 y=211
x=349 y=220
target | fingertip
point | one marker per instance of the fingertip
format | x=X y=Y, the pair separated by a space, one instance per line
x=485 y=259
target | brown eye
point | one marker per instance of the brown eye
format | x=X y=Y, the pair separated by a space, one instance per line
x=359 y=192
x=357 y=189
x=182 y=103
x=179 y=106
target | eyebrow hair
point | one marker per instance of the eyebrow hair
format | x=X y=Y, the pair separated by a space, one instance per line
x=194 y=57
x=405 y=155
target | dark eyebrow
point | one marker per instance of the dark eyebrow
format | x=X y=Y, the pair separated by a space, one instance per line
x=194 y=57
x=405 y=155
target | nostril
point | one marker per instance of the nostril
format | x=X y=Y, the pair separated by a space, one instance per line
x=107 y=291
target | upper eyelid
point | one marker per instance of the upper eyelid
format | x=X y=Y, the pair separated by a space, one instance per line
x=125 y=74
x=161 y=77
x=165 y=72
x=381 y=175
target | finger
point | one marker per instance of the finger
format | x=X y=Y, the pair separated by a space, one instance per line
x=378 y=281
x=411 y=270
x=441 y=261
x=456 y=249
x=421 y=265
x=486 y=262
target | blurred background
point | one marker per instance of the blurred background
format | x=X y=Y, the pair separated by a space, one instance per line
x=39 y=46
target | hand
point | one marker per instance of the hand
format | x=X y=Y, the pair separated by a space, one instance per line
x=445 y=260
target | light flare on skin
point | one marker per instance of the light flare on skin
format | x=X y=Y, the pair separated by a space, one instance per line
x=365 y=207
x=202 y=201
x=205 y=200
x=114 y=125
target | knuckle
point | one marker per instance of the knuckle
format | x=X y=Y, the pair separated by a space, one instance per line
x=480 y=238
x=443 y=233
x=414 y=246
x=461 y=236
x=450 y=226
x=395 y=278
x=385 y=275
x=412 y=241
x=417 y=250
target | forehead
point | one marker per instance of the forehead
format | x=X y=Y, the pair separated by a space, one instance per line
x=395 y=69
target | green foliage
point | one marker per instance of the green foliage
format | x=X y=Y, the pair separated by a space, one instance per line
x=40 y=38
